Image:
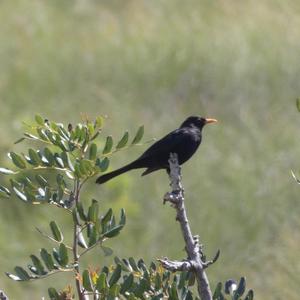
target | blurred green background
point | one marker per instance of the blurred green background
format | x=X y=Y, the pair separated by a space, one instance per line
x=155 y=63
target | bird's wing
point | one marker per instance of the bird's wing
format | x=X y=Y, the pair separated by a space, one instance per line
x=165 y=144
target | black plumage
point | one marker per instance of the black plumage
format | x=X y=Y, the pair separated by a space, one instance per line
x=183 y=141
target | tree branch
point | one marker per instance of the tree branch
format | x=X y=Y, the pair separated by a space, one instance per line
x=75 y=246
x=195 y=261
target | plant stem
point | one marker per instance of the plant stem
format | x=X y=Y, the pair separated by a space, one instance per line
x=75 y=245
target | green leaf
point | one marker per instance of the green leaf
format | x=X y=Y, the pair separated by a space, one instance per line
x=99 y=122
x=22 y=274
x=47 y=259
x=86 y=281
x=103 y=164
x=38 y=265
x=115 y=276
x=62 y=132
x=39 y=120
x=4 y=192
x=113 y=232
x=95 y=135
x=108 y=145
x=133 y=264
x=19 y=194
x=30 y=136
x=182 y=280
x=240 y=289
x=42 y=134
x=250 y=295
x=59 y=161
x=67 y=161
x=218 y=291
x=173 y=292
x=13 y=277
x=122 y=143
x=77 y=170
x=17 y=160
x=157 y=281
x=114 y=291
x=81 y=241
x=107 y=251
x=56 y=255
x=86 y=167
x=93 y=151
x=106 y=219
x=34 y=157
x=81 y=212
x=127 y=284
x=28 y=183
x=70 y=175
x=91 y=128
x=56 y=232
x=93 y=212
x=138 y=135
x=75 y=216
x=101 y=284
x=19 y=140
x=7 y=171
x=41 y=181
x=49 y=156
x=63 y=254
x=92 y=235
x=53 y=294
x=122 y=218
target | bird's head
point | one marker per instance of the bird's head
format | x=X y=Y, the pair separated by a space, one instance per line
x=197 y=122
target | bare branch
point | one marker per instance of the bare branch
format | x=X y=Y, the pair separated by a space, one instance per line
x=175 y=265
x=192 y=245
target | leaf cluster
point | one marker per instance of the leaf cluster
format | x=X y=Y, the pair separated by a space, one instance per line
x=131 y=279
x=71 y=153
x=93 y=230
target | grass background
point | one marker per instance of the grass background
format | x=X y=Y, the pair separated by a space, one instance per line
x=155 y=63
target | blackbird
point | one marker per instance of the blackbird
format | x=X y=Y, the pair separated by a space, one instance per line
x=183 y=141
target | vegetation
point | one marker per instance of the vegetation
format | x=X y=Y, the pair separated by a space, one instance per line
x=155 y=63
x=71 y=156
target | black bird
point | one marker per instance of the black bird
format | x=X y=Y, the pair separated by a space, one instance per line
x=184 y=141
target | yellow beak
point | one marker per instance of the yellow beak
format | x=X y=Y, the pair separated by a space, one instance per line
x=208 y=120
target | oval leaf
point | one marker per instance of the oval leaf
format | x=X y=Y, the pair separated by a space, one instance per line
x=47 y=259
x=138 y=135
x=103 y=165
x=101 y=284
x=93 y=151
x=93 y=212
x=17 y=160
x=108 y=145
x=115 y=276
x=122 y=143
x=22 y=274
x=4 y=192
x=7 y=171
x=63 y=255
x=39 y=120
x=86 y=281
x=19 y=194
x=113 y=232
x=53 y=294
x=127 y=284
x=56 y=231
x=38 y=265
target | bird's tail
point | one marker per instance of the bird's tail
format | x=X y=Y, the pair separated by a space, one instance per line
x=110 y=175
